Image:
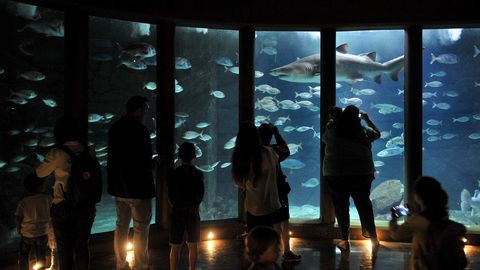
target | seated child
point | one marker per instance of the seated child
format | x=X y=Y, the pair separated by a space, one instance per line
x=33 y=221
x=185 y=192
x=262 y=248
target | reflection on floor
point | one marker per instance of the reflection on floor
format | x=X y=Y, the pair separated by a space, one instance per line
x=316 y=254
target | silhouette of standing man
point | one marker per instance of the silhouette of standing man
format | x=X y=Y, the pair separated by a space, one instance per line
x=130 y=180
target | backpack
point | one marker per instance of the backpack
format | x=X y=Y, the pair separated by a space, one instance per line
x=446 y=245
x=85 y=182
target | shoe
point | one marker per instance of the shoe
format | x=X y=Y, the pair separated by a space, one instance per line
x=289 y=256
x=343 y=245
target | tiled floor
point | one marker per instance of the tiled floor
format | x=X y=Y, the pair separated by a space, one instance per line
x=316 y=254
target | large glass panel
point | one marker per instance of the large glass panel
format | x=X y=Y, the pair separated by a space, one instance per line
x=451 y=118
x=31 y=94
x=288 y=95
x=122 y=63
x=368 y=72
x=206 y=111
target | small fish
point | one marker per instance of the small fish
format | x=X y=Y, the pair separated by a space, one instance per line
x=182 y=114
x=230 y=143
x=434 y=138
x=2 y=164
x=289 y=128
x=179 y=122
x=178 y=88
x=448 y=58
x=205 y=137
x=234 y=70
x=476 y=51
x=140 y=49
x=108 y=116
x=476 y=84
x=49 y=27
x=305 y=95
x=217 y=94
x=150 y=86
x=292 y=164
x=224 y=61
x=438 y=74
x=448 y=136
x=363 y=92
x=94 y=117
x=351 y=101
x=476 y=116
x=12 y=169
x=400 y=92
x=434 y=122
x=258 y=74
x=31 y=143
x=451 y=93
x=33 y=76
x=190 y=135
x=135 y=63
x=433 y=84
x=26 y=94
x=273 y=91
x=153 y=135
x=474 y=136
x=378 y=163
x=19 y=158
x=13 y=132
x=429 y=94
x=17 y=100
x=389 y=152
x=385 y=134
x=47 y=142
x=182 y=63
x=461 y=119
x=269 y=50
x=294 y=148
x=397 y=125
x=101 y=147
x=50 y=102
x=202 y=125
x=304 y=128
x=310 y=183
x=225 y=165
x=2 y=70
x=441 y=105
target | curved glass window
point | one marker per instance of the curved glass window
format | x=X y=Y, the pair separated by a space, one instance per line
x=451 y=118
x=369 y=74
x=288 y=96
x=206 y=111
x=31 y=93
x=122 y=63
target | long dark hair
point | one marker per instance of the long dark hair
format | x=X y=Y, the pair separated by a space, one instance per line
x=66 y=129
x=247 y=152
x=434 y=198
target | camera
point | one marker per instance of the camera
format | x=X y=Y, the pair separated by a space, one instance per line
x=400 y=211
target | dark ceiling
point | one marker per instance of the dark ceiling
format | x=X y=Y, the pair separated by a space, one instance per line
x=283 y=14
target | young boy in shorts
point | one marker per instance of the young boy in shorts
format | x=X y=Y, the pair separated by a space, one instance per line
x=185 y=192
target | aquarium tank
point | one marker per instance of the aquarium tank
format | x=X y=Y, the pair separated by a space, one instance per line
x=451 y=118
x=122 y=63
x=206 y=111
x=292 y=103
x=32 y=96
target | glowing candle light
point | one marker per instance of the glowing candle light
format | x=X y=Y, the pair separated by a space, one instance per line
x=37 y=266
x=289 y=232
x=210 y=235
x=465 y=240
x=130 y=257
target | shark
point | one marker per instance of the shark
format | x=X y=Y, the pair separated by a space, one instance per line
x=350 y=68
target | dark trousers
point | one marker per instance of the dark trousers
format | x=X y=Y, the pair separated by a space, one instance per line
x=38 y=245
x=357 y=186
x=72 y=231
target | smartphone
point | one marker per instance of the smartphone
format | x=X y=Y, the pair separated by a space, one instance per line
x=400 y=211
